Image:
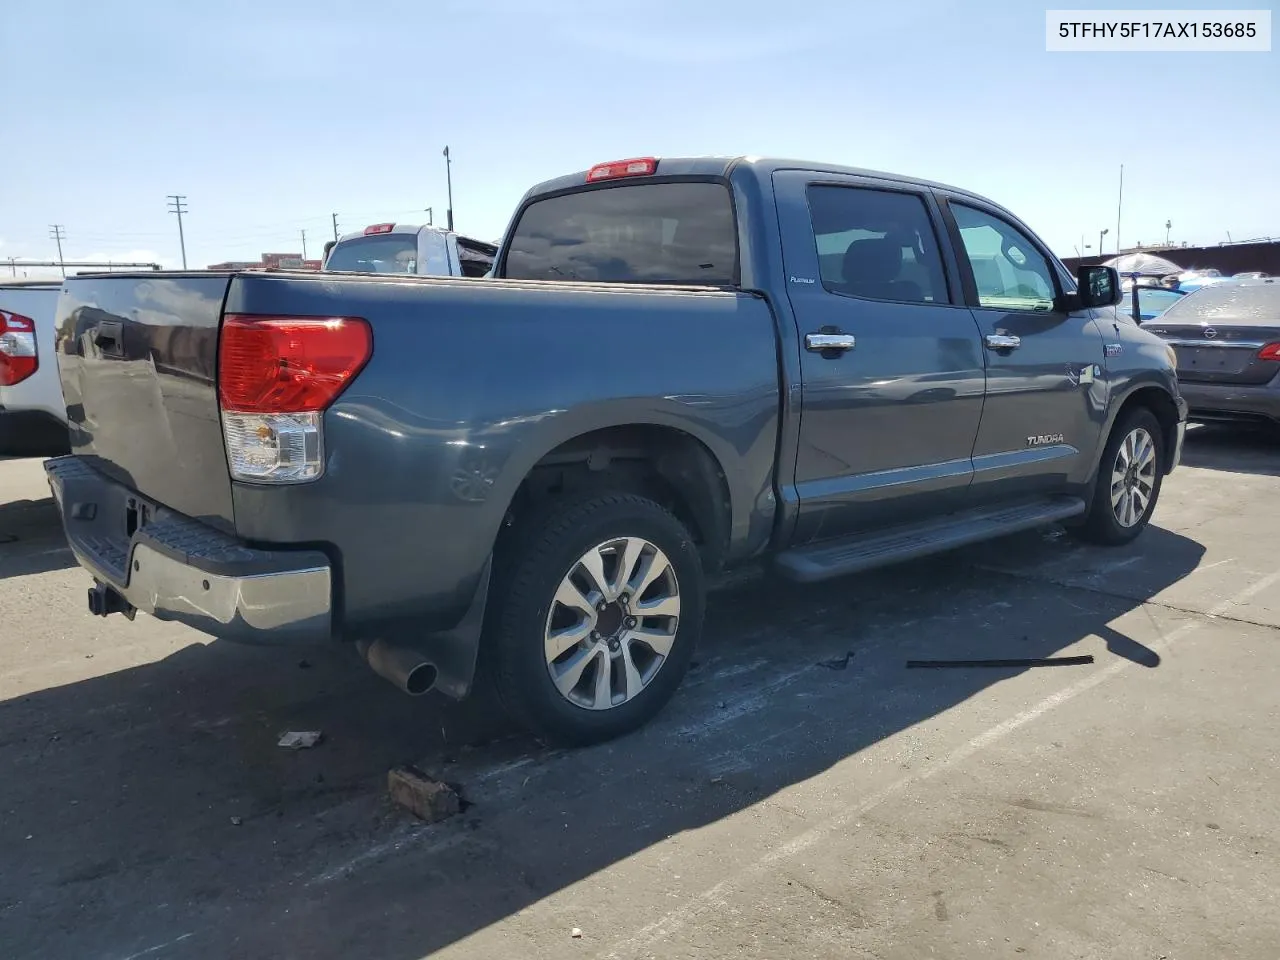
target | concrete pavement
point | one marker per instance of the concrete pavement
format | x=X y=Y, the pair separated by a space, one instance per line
x=781 y=806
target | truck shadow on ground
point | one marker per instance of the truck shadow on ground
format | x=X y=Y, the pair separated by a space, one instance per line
x=151 y=809
x=1234 y=448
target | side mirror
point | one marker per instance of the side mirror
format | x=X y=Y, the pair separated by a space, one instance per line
x=1098 y=287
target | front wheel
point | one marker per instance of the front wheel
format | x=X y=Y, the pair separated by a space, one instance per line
x=1129 y=478
x=598 y=611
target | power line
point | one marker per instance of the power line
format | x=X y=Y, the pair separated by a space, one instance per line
x=178 y=205
x=59 y=233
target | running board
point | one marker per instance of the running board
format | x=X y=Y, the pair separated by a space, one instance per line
x=835 y=558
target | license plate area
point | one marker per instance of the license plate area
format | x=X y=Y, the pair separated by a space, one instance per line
x=1211 y=359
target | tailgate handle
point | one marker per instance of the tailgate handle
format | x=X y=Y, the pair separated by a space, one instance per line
x=108 y=337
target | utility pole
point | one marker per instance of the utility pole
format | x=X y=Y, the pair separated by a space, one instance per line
x=335 y=228
x=59 y=233
x=430 y=217
x=1168 y=225
x=178 y=205
x=304 y=244
x=1119 y=205
x=13 y=266
x=448 y=176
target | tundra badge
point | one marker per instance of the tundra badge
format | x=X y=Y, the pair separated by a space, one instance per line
x=1043 y=439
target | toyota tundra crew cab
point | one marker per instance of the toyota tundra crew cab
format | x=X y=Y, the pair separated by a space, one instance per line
x=677 y=367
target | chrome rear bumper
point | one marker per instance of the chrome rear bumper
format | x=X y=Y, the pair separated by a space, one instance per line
x=176 y=568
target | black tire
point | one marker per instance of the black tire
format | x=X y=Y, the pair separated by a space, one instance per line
x=530 y=568
x=1101 y=525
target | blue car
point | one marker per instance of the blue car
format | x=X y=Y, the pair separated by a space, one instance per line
x=1152 y=301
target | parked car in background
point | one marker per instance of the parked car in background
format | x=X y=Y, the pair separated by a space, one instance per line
x=409 y=248
x=33 y=418
x=679 y=366
x=1227 y=337
x=1190 y=280
x=1250 y=275
x=1142 y=302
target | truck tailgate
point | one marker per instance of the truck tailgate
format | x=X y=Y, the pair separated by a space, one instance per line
x=137 y=355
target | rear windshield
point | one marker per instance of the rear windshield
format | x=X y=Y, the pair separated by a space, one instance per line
x=1254 y=301
x=675 y=233
x=389 y=253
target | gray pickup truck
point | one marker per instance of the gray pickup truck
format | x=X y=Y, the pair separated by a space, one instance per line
x=677 y=367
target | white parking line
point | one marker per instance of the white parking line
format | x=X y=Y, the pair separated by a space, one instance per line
x=715 y=899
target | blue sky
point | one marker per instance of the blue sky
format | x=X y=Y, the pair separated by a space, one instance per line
x=271 y=116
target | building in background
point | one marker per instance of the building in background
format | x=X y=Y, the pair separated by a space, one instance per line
x=269 y=261
x=1229 y=258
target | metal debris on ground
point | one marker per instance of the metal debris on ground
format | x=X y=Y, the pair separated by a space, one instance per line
x=1014 y=662
x=300 y=739
x=837 y=663
x=427 y=799
x=575 y=933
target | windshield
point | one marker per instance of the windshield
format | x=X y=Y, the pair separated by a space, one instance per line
x=389 y=253
x=673 y=233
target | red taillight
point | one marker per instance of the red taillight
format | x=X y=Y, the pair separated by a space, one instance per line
x=18 y=357
x=614 y=170
x=1270 y=352
x=289 y=364
x=379 y=228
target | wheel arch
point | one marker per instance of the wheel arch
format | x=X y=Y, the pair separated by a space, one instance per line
x=669 y=464
x=1160 y=402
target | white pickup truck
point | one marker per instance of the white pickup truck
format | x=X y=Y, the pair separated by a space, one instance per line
x=33 y=417
x=409 y=248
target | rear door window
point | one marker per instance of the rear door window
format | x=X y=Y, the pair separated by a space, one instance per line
x=876 y=244
x=665 y=233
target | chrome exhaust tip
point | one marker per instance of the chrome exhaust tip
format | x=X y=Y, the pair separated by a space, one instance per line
x=404 y=667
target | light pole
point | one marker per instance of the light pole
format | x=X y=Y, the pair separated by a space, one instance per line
x=448 y=175
x=1102 y=233
x=1168 y=225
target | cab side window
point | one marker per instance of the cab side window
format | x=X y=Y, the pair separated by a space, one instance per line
x=876 y=244
x=1008 y=269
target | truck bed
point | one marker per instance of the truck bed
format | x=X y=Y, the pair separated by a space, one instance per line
x=469 y=385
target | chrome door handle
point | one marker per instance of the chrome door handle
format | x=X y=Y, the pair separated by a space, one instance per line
x=828 y=341
x=1003 y=341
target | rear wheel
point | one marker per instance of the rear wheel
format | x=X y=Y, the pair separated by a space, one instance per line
x=1129 y=478
x=598 y=610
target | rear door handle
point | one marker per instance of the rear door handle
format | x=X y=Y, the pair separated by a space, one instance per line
x=818 y=342
x=1003 y=341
